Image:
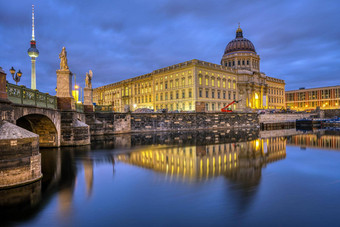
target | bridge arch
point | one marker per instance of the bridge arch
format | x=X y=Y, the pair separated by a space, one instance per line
x=43 y=126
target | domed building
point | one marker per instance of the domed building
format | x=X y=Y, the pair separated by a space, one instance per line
x=240 y=54
x=197 y=85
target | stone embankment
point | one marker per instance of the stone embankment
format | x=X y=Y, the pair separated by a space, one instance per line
x=109 y=123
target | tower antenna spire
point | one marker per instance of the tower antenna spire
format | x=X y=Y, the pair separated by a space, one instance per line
x=33 y=53
x=33 y=38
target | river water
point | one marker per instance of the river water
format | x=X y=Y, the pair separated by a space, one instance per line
x=215 y=178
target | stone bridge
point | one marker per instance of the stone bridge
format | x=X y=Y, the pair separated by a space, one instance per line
x=39 y=113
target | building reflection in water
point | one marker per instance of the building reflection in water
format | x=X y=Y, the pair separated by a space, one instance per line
x=328 y=139
x=239 y=156
x=234 y=160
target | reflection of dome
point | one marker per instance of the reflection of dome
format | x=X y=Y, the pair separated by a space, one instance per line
x=239 y=43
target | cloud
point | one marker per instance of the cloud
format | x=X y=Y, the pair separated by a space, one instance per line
x=298 y=41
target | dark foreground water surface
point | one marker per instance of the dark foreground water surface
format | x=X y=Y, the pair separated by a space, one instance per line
x=219 y=178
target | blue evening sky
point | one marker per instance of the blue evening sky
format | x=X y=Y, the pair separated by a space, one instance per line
x=298 y=41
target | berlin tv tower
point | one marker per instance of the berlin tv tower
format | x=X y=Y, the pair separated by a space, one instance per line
x=33 y=53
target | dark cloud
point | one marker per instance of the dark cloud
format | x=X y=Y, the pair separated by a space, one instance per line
x=298 y=41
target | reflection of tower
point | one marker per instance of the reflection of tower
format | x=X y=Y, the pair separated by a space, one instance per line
x=88 y=171
x=33 y=53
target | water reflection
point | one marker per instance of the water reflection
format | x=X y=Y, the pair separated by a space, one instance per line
x=204 y=161
x=326 y=139
x=190 y=157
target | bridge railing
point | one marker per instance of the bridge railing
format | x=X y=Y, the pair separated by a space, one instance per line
x=100 y=108
x=26 y=96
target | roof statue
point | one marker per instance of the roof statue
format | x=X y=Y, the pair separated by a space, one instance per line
x=88 y=79
x=63 y=59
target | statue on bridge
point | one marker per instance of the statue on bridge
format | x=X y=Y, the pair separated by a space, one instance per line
x=88 y=79
x=63 y=59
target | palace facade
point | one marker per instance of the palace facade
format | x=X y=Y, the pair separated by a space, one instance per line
x=323 y=97
x=200 y=86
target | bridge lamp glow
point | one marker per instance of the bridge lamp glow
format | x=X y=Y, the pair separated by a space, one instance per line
x=16 y=76
x=135 y=105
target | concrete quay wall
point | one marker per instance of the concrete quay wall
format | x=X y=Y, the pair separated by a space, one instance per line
x=284 y=117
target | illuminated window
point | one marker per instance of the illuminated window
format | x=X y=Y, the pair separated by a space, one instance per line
x=190 y=80
x=176 y=83
x=200 y=80
x=229 y=86
x=218 y=83
x=224 y=83
x=234 y=85
x=206 y=81
x=183 y=81
x=212 y=82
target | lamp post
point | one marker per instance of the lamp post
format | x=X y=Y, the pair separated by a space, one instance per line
x=17 y=75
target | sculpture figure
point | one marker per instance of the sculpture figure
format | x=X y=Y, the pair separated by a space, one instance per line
x=63 y=59
x=88 y=79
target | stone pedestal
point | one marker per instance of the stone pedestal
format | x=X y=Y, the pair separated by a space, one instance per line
x=88 y=100
x=64 y=90
x=3 y=93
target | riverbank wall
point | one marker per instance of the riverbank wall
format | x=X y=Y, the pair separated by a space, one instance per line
x=109 y=123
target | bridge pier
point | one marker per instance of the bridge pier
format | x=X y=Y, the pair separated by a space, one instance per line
x=74 y=132
x=20 y=160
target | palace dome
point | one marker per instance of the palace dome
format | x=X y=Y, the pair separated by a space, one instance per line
x=239 y=43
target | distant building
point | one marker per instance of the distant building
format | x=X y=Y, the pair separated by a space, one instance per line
x=323 y=97
x=197 y=85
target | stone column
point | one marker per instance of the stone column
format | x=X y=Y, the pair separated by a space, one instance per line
x=88 y=99
x=64 y=90
x=3 y=93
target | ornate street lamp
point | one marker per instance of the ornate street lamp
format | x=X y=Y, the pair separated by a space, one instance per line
x=17 y=75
